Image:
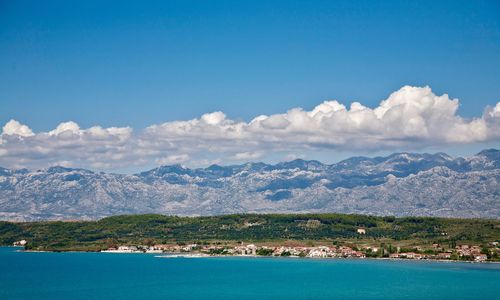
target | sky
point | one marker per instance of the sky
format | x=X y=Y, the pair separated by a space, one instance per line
x=127 y=85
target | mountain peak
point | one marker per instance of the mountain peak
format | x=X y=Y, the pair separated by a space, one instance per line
x=215 y=167
x=58 y=169
x=490 y=153
x=443 y=156
x=300 y=164
x=61 y=169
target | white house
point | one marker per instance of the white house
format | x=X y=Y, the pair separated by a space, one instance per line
x=20 y=243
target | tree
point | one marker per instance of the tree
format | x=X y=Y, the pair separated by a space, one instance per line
x=264 y=251
x=486 y=251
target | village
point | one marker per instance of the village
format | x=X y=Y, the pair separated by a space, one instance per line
x=436 y=251
x=461 y=252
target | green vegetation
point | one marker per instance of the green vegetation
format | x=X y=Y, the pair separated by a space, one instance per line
x=306 y=229
x=264 y=251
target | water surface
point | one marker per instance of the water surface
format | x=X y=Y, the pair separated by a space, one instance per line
x=25 y=275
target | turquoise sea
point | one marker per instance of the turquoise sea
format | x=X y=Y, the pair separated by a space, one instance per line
x=26 y=275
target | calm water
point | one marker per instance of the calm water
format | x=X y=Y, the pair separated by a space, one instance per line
x=141 y=276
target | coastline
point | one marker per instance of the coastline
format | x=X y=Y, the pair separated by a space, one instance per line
x=201 y=255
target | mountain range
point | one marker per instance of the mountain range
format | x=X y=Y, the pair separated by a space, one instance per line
x=401 y=184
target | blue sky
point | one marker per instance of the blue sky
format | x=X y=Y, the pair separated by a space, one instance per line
x=126 y=63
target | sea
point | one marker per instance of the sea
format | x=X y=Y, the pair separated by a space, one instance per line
x=44 y=275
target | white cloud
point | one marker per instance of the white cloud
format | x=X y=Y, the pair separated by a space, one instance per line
x=13 y=127
x=495 y=112
x=214 y=118
x=246 y=156
x=173 y=159
x=66 y=128
x=410 y=118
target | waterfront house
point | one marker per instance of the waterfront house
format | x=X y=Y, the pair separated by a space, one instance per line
x=20 y=243
x=444 y=255
x=249 y=249
x=320 y=252
x=480 y=258
x=189 y=248
x=411 y=255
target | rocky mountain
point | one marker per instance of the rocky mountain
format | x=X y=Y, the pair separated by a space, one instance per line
x=400 y=184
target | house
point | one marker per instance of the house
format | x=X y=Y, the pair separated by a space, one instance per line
x=410 y=255
x=127 y=249
x=250 y=249
x=359 y=254
x=123 y=249
x=152 y=249
x=189 y=247
x=480 y=258
x=280 y=250
x=347 y=251
x=166 y=247
x=418 y=256
x=443 y=255
x=20 y=243
x=320 y=252
x=361 y=231
x=475 y=250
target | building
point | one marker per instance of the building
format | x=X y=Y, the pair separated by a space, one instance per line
x=480 y=258
x=20 y=243
x=444 y=255
x=189 y=248
x=250 y=249
x=411 y=255
x=320 y=252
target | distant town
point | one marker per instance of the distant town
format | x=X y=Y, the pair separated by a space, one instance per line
x=474 y=253
x=462 y=252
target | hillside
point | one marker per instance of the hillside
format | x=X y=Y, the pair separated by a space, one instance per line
x=147 y=229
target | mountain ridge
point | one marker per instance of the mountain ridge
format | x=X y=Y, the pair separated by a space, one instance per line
x=400 y=184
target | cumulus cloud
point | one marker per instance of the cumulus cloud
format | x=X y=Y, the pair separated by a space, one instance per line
x=66 y=128
x=13 y=127
x=410 y=118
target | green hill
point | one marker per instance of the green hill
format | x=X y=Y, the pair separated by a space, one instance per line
x=257 y=228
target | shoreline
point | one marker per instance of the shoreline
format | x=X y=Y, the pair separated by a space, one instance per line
x=201 y=255
x=324 y=258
